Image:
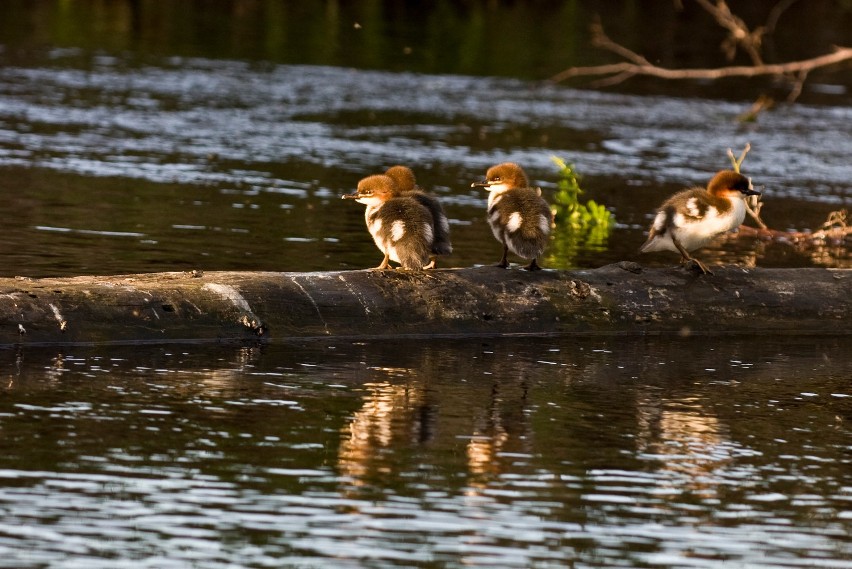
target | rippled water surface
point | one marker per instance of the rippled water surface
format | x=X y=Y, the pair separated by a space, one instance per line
x=150 y=136
x=110 y=166
x=489 y=453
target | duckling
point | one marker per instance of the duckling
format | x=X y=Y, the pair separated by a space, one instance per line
x=401 y=226
x=691 y=218
x=407 y=185
x=519 y=218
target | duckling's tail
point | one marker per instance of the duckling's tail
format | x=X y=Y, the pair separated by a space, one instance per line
x=414 y=255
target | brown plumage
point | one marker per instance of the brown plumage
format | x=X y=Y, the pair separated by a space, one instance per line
x=519 y=217
x=691 y=218
x=400 y=225
x=406 y=184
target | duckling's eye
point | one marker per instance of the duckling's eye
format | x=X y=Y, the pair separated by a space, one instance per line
x=495 y=179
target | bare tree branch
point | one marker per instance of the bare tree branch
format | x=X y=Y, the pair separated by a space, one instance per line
x=739 y=32
x=839 y=55
x=796 y=72
x=763 y=102
x=798 y=85
x=601 y=40
x=775 y=14
x=612 y=80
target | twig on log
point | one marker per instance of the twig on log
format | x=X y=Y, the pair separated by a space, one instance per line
x=753 y=203
x=834 y=232
x=753 y=207
x=828 y=245
x=738 y=162
x=837 y=219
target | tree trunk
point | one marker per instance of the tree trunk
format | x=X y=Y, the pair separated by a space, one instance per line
x=623 y=298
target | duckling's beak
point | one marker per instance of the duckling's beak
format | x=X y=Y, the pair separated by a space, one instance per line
x=482 y=184
x=358 y=195
x=750 y=191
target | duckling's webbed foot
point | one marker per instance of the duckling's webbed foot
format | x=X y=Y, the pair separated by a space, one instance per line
x=504 y=262
x=689 y=261
x=694 y=264
x=533 y=266
x=384 y=264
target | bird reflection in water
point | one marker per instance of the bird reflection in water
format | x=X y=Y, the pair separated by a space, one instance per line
x=688 y=440
x=390 y=412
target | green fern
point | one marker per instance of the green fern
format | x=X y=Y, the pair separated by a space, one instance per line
x=577 y=226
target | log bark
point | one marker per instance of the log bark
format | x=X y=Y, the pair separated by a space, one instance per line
x=623 y=298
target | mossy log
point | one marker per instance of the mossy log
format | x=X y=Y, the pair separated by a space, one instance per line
x=623 y=298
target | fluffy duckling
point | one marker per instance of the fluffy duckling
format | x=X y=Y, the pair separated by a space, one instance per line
x=692 y=217
x=407 y=186
x=400 y=225
x=519 y=217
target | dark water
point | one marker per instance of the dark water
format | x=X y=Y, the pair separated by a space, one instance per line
x=144 y=136
x=229 y=165
x=486 y=453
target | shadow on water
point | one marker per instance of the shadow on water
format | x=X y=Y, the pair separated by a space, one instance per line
x=645 y=452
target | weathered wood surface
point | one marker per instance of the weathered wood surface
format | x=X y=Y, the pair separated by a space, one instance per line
x=617 y=299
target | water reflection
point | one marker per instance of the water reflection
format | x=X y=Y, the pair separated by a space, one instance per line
x=126 y=145
x=487 y=441
x=512 y=452
x=689 y=443
x=380 y=424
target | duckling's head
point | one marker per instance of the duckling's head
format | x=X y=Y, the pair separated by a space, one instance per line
x=403 y=176
x=728 y=183
x=505 y=176
x=374 y=190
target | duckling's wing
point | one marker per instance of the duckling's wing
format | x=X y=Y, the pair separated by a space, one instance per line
x=692 y=204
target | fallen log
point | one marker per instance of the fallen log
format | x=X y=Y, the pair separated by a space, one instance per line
x=623 y=298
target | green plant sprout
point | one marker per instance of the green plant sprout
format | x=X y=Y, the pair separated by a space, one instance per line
x=576 y=226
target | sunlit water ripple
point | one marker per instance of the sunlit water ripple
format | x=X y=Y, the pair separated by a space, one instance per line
x=506 y=453
x=164 y=123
